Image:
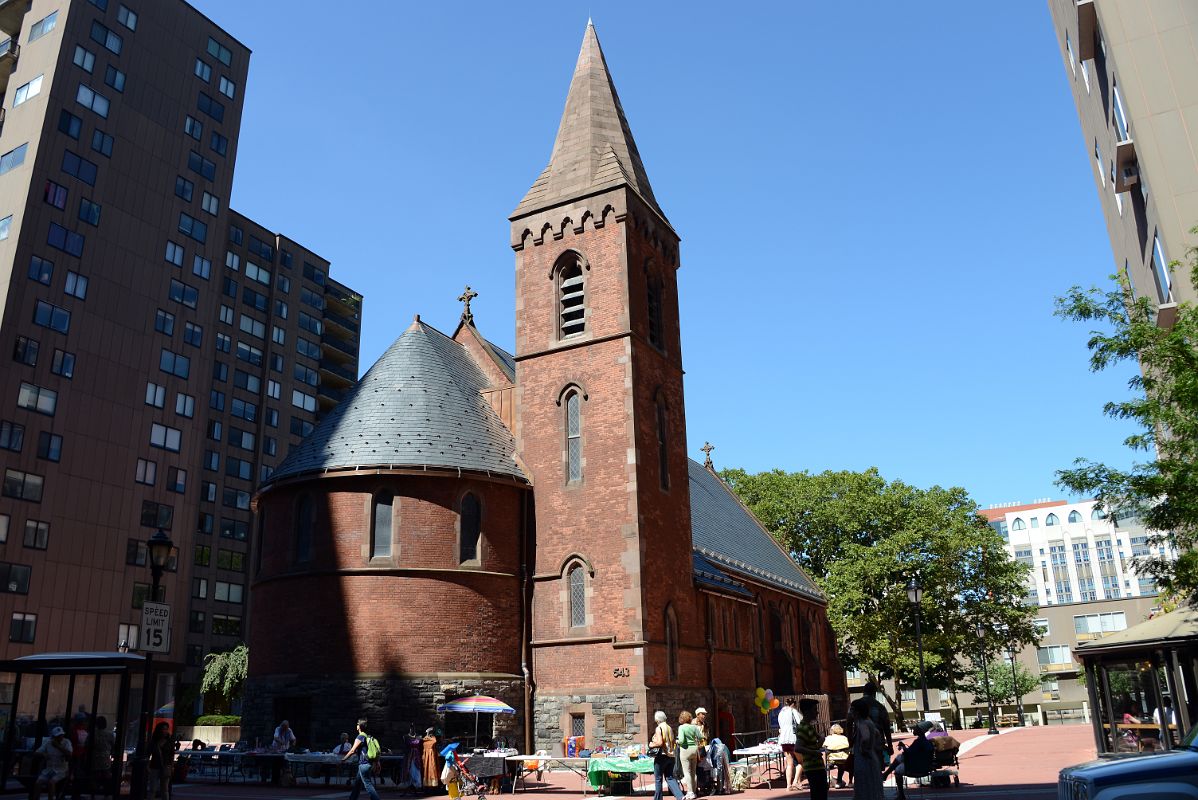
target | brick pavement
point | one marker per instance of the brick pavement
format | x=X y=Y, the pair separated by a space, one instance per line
x=1021 y=762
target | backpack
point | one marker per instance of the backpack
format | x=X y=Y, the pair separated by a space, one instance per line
x=372 y=748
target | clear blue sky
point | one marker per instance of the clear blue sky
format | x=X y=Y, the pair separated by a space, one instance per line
x=877 y=202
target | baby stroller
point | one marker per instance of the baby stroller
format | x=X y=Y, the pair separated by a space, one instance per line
x=457 y=779
x=945 y=764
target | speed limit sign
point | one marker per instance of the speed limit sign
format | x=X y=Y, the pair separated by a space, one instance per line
x=156 y=628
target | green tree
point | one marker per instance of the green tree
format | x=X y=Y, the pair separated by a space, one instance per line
x=1162 y=490
x=224 y=675
x=862 y=538
x=1003 y=687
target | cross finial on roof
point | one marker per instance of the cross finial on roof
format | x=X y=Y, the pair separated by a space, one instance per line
x=466 y=297
x=707 y=448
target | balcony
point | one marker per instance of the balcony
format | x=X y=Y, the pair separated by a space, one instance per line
x=336 y=395
x=1087 y=29
x=341 y=373
x=338 y=347
x=349 y=325
x=335 y=291
x=12 y=13
x=10 y=51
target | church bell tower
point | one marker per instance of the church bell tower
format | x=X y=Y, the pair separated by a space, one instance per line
x=600 y=426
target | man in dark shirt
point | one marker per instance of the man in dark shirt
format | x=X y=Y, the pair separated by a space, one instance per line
x=809 y=745
x=878 y=714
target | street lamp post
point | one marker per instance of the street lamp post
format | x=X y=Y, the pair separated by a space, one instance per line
x=159 y=548
x=1015 y=685
x=915 y=595
x=986 y=678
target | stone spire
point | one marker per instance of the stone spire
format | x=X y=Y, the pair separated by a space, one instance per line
x=594 y=149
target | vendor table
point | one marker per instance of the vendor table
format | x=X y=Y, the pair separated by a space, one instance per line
x=332 y=761
x=766 y=759
x=550 y=764
x=599 y=769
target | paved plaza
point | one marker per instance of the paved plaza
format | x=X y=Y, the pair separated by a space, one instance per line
x=1019 y=762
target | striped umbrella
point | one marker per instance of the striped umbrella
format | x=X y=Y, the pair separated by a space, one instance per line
x=478 y=704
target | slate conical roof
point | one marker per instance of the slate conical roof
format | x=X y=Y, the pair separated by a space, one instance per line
x=419 y=406
x=594 y=149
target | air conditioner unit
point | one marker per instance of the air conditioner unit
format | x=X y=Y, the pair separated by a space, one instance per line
x=1130 y=175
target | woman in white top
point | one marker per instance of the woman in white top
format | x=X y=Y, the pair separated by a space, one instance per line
x=663 y=762
x=788 y=720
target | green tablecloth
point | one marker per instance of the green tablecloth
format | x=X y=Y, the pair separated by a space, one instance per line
x=598 y=768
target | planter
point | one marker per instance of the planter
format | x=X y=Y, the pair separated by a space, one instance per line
x=209 y=734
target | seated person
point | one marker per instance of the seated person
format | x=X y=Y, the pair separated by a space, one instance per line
x=837 y=745
x=344 y=747
x=57 y=752
x=284 y=738
x=915 y=760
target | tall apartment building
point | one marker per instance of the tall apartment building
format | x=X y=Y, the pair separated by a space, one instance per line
x=1131 y=68
x=165 y=350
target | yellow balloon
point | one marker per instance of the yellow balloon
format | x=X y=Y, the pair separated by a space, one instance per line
x=760 y=693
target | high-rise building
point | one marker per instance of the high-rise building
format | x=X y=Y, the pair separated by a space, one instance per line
x=1131 y=69
x=166 y=351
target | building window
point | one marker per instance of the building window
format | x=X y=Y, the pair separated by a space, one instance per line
x=41 y=270
x=25 y=351
x=68 y=242
x=469 y=530
x=1074 y=517
x=147 y=472
x=671 y=644
x=127 y=18
x=1017 y=524
x=27 y=91
x=14 y=578
x=1051 y=520
x=79 y=167
x=219 y=52
x=1041 y=626
x=576 y=580
x=43 y=26
x=102 y=143
x=12 y=436
x=157 y=515
x=55 y=194
x=663 y=452
x=305 y=521
x=653 y=291
x=573 y=437
x=90 y=99
x=37 y=534
x=1035 y=522
x=23 y=485
x=115 y=78
x=76 y=285
x=203 y=70
x=380 y=540
x=52 y=317
x=69 y=124
x=84 y=59
x=49 y=446
x=227 y=87
x=1164 y=284
x=13 y=158
x=165 y=437
x=23 y=628
x=571 y=288
x=35 y=398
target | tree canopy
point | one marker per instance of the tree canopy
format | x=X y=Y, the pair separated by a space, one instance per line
x=225 y=673
x=1162 y=490
x=863 y=538
x=996 y=684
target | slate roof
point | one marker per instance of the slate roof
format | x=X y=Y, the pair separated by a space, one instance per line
x=708 y=574
x=728 y=536
x=507 y=361
x=421 y=406
x=594 y=149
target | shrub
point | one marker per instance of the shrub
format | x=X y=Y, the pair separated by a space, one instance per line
x=218 y=719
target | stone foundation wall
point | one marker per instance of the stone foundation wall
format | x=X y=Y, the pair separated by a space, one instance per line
x=550 y=713
x=392 y=705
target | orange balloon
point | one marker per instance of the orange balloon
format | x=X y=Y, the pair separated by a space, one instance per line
x=774 y=703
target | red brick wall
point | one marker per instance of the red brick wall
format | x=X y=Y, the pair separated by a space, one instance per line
x=419 y=611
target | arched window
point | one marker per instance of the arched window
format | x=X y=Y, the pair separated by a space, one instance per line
x=1074 y=516
x=468 y=529
x=573 y=437
x=1051 y=520
x=653 y=301
x=571 y=295
x=1098 y=513
x=671 y=644
x=577 y=582
x=380 y=538
x=663 y=454
x=1017 y=524
x=305 y=520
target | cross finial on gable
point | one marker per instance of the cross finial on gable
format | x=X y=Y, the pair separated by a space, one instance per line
x=707 y=448
x=466 y=297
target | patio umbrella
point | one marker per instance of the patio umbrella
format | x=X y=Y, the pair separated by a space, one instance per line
x=479 y=704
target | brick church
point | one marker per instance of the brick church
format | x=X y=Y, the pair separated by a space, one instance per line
x=530 y=527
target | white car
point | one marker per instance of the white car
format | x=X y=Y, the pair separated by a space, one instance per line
x=1169 y=775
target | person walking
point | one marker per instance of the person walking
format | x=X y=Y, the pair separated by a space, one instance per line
x=359 y=754
x=688 y=752
x=867 y=753
x=809 y=746
x=162 y=761
x=788 y=721
x=663 y=760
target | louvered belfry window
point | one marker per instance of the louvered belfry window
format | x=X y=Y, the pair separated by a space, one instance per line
x=571 y=287
x=578 y=597
x=573 y=438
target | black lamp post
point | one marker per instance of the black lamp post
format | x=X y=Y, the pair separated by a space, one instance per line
x=1015 y=684
x=915 y=595
x=159 y=548
x=981 y=631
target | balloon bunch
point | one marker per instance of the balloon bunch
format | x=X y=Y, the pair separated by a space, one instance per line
x=765 y=700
